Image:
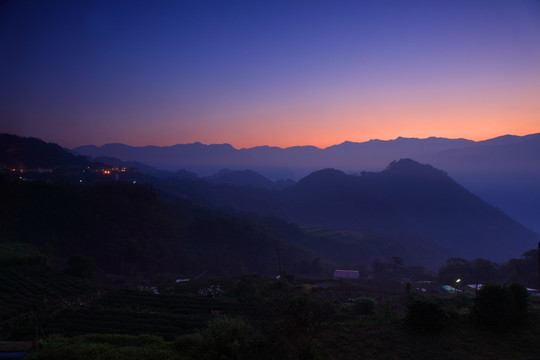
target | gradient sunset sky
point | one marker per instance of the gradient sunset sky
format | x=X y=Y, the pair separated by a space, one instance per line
x=277 y=73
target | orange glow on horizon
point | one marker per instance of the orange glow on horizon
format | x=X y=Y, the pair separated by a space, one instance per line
x=327 y=135
x=330 y=124
x=479 y=114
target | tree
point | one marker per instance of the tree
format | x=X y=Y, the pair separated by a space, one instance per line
x=501 y=307
x=486 y=271
x=457 y=268
x=425 y=315
x=304 y=320
x=523 y=270
x=396 y=260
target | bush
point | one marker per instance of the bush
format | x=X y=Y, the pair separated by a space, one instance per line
x=123 y=340
x=277 y=285
x=246 y=288
x=363 y=306
x=425 y=315
x=229 y=338
x=520 y=303
x=188 y=345
x=104 y=347
x=460 y=301
x=501 y=307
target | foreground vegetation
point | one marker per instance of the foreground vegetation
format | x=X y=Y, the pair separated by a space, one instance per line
x=253 y=317
x=74 y=314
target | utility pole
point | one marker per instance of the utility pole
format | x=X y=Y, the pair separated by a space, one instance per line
x=279 y=258
x=477 y=271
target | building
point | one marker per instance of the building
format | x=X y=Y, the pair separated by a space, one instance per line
x=347 y=274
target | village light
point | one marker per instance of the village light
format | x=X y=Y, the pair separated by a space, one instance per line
x=457 y=282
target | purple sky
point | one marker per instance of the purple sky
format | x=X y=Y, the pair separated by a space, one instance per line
x=276 y=73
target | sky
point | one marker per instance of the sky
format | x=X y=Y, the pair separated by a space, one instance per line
x=278 y=73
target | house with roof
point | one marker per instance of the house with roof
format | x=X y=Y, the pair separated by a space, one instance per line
x=346 y=274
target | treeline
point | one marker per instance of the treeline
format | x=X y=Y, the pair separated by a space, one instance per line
x=478 y=271
x=523 y=270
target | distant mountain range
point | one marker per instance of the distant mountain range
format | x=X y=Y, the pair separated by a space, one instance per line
x=273 y=162
x=410 y=210
x=504 y=171
x=296 y=162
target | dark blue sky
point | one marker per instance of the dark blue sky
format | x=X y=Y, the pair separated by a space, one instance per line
x=268 y=72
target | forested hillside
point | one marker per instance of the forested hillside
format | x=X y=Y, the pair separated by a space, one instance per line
x=126 y=228
x=407 y=199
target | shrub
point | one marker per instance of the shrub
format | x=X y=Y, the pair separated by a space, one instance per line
x=520 y=303
x=277 y=285
x=425 y=315
x=188 y=345
x=104 y=347
x=501 y=307
x=229 y=338
x=460 y=301
x=363 y=306
x=246 y=289
x=123 y=340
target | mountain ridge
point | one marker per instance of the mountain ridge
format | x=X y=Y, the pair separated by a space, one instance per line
x=407 y=200
x=503 y=170
x=384 y=150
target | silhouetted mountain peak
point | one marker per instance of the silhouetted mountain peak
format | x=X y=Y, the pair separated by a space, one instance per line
x=408 y=165
x=30 y=153
x=409 y=169
x=323 y=178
